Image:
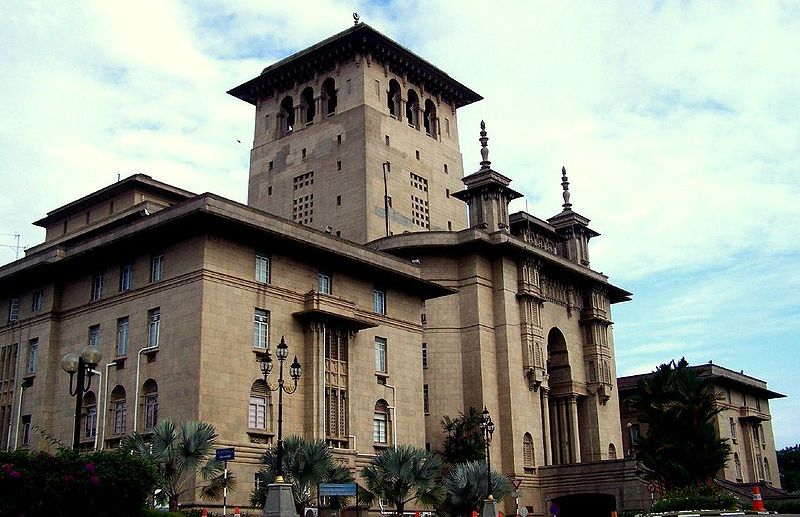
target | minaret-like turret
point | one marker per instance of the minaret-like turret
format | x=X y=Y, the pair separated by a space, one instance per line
x=573 y=227
x=487 y=194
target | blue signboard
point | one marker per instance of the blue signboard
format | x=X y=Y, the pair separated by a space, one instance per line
x=329 y=489
x=225 y=454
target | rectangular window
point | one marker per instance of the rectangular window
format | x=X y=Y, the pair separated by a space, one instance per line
x=380 y=355
x=445 y=168
x=120 y=415
x=447 y=126
x=36 y=305
x=744 y=400
x=94 y=336
x=386 y=137
x=151 y=411
x=257 y=414
x=379 y=301
x=26 y=430
x=424 y=355
x=324 y=283
x=426 y=404
x=447 y=192
x=423 y=319
x=156 y=268
x=758 y=404
x=125 y=277
x=339 y=139
x=262 y=268
x=303 y=152
x=338 y=165
x=339 y=200
x=122 y=336
x=379 y=434
x=260 y=329
x=417 y=153
x=377 y=88
x=732 y=423
x=153 y=327
x=13 y=310
x=90 y=423
x=97 y=288
x=348 y=86
x=266 y=123
x=270 y=166
x=33 y=349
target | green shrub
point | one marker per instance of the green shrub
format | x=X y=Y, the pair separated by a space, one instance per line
x=39 y=484
x=783 y=506
x=695 y=498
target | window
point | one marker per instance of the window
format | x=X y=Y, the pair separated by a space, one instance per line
x=122 y=336
x=150 y=404
x=336 y=374
x=732 y=423
x=737 y=466
x=94 y=336
x=329 y=97
x=447 y=192
x=286 y=115
x=266 y=123
x=339 y=165
x=447 y=126
x=450 y=226
x=527 y=450
x=377 y=88
x=423 y=319
x=303 y=153
x=269 y=190
x=349 y=86
x=339 y=200
x=417 y=153
x=412 y=109
x=309 y=108
x=380 y=423
x=26 y=430
x=744 y=400
x=13 y=310
x=324 y=283
x=755 y=435
x=156 y=268
x=153 y=327
x=424 y=355
x=763 y=438
x=97 y=288
x=36 y=305
x=89 y=415
x=380 y=355
x=393 y=98
x=270 y=166
x=386 y=138
x=262 y=268
x=426 y=403
x=260 y=329
x=728 y=392
x=758 y=404
x=612 y=451
x=33 y=349
x=767 y=473
x=634 y=433
x=259 y=414
x=118 y=410
x=430 y=120
x=445 y=169
x=339 y=139
x=379 y=300
x=125 y=277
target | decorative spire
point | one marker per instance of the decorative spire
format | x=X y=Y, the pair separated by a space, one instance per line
x=356 y=18
x=565 y=185
x=485 y=163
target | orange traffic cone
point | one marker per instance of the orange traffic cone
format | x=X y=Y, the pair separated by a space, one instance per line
x=236 y=510
x=204 y=513
x=758 y=504
x=474 y=513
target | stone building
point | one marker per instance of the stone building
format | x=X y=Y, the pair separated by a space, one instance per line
x=745 y=420
x=407 y=291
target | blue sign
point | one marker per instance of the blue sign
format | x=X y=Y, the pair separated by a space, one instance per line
x=225 y=454
x=328 y=489
x=554 y=508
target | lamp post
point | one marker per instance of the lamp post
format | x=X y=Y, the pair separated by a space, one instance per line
x=487 y=426
x=276 y=501
x=83 y=365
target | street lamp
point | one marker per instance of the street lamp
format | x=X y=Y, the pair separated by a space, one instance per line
x=295 y=369
x=83 y=365
x=487 y=426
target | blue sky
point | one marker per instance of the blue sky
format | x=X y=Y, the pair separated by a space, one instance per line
x=677 y=122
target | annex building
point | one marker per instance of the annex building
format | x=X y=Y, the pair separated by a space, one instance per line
x=405 y=288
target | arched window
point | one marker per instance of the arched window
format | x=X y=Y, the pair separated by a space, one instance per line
x=329 y=99
x=393 y=98
x=732 y=424
x=612 y=451
x=286 y=115
x=737 y=465
x=307 y=102
x=381 y=423
x=150 y=393
x=259 y=413
x=767 y=473
x=430 y=119
x=89 y=415
x=412 y=109
x=119 y=410
x=527 y=451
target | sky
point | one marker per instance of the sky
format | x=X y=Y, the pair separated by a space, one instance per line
x=677 y=122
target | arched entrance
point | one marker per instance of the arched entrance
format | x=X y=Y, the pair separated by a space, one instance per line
x=585 y=505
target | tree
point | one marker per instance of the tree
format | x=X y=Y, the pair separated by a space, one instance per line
x=305 y=465
x=180 y=458
x=463 y=439
x=403 y=474
x=681 y=447
x=466 y=488
x=789 y=467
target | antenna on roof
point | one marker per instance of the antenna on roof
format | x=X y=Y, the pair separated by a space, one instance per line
x=118 y=176
x=356 y=17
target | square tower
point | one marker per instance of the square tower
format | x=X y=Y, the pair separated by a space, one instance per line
x=357 y=136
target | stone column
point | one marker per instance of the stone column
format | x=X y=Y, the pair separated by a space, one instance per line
x=548 y=451
x=554 y=433
x=564 y=435
x=575 y=437
x=298 y=116
x=319 y=113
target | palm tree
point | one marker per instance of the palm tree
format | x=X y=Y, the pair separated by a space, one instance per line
x=180 y=457
x=463 y=438
x=681 y=447
x=305 y=465
x=403 y=474
x=465 y=488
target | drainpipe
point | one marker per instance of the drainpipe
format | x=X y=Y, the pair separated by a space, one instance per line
x=97 y=408
x=105 y=410
x=136 y=390
x=392 y=414
x=19 y=415
x=322 y=380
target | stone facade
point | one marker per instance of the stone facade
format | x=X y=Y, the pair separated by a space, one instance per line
x=744 y=419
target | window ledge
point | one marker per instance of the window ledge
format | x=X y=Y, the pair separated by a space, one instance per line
x=384 y=375
x=29 y=376
x=119 y=361
x=259 y=432
x=260 y=352
x=382 y=446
